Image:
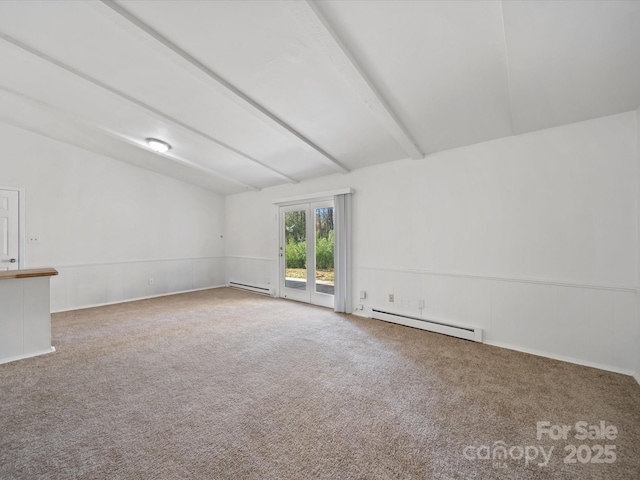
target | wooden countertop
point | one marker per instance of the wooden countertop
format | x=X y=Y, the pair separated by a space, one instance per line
x=34 y=272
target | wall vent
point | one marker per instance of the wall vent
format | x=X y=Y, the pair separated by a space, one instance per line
x=460 y=331
x=251 y=288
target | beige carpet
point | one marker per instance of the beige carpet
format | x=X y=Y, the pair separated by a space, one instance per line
x=223 y=384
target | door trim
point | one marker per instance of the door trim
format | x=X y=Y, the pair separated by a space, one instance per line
x=21 y=224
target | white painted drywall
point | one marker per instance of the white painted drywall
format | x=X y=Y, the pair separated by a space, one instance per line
x=107 y=226
x=533 y=238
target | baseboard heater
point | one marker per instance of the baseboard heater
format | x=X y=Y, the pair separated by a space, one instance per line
x=460 y=331
x=251 y=288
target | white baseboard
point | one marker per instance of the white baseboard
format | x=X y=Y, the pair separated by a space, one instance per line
x=82 y=307
x=27 y=355
x=251 y=288
x=453 y=330
x=637 y=377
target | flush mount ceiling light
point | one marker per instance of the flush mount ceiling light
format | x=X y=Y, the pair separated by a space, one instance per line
x=158 y=145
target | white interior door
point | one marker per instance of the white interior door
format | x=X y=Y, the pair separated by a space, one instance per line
x=307 y=253
x=9 y=230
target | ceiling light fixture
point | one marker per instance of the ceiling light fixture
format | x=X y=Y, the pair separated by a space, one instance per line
x=158 y=145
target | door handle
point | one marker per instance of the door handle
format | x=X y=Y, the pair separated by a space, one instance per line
x=13 y=260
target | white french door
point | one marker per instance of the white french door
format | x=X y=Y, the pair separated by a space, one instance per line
x=9 y=230
x=307 y=253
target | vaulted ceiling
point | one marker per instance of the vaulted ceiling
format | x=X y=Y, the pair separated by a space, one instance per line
x=252 y=94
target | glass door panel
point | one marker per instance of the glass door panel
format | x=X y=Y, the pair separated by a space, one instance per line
x=321 y=237
x=295 y=249
x=324 y=242
x=296 y=258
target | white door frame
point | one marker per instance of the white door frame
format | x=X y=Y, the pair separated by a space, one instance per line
x=318 y=298
x=21 y=224
x=309 y=295
x=285 y=292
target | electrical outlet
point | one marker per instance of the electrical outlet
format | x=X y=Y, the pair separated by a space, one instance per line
x=151 y=281
x=363 y=294
x=391 y=297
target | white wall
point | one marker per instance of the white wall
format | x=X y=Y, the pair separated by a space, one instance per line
x=534 y=238
x=108 y=226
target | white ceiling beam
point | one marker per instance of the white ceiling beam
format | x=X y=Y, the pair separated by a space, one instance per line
x=140 y=106
x=325 y=37
x=126 y=20
x=86 y=126
x=508 y=70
